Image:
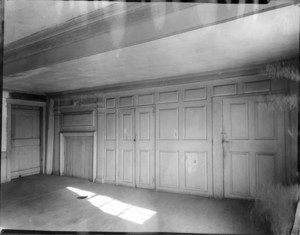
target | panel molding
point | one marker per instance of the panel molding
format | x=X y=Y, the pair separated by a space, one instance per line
x=73 y=118
x=168 y=97
x=189 y=94
x=113 y=131
x=175 y=131
x=139 y=127
x=258 y=157
x=256 y=120
x=185 y=173
x=145 y=99
x=225 y=89
x=132 y=165
x=185 y=123
x=148 y=164
x=110 y=102
x=248 y=174
x=106 y=178
x=126 y=101
x=246 y=137
x=257 y=86
x=177 y=169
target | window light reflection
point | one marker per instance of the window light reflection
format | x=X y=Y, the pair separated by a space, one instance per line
x=80 y=192
x=115 y=207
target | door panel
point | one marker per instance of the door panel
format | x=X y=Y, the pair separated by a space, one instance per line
x=195 y=123
x=169 y=169
x=110 y=148
x=253 y=145
x=168 y=124
x=110 y=165
x=128 y=163
x=126 y=150
x=196 y=171
x=145 y=147
x=25 y=141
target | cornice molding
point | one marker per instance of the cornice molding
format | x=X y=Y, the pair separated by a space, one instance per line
x=64 y=27
x=95 y=23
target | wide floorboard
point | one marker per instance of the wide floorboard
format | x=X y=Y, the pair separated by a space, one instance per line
x=50 y=203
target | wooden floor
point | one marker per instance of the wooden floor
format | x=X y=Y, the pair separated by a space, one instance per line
x=50 y=203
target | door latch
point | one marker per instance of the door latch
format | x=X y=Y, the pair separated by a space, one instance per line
x=224 y=138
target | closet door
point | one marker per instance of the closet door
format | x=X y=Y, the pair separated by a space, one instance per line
x=126 y=148
x=145 y=147
x=25 y=141
x=253 y=145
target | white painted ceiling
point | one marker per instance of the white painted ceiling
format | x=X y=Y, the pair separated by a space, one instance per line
x=25 y=17
x=250 y=40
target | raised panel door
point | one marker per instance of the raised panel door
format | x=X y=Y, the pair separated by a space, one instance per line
x=253 y=145
x=25 y=141
x=126 y=147
x=145 y=147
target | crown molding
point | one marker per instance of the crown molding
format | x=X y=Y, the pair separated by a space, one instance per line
x=80 y=28
x=81 y=36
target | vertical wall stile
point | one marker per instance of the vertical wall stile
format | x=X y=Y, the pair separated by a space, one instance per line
x=100 y=143
x=50 y=136
x=2 y=3
x=57 y=117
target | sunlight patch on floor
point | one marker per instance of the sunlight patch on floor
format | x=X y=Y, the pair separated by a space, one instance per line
x=80 y=192
x=115 y=207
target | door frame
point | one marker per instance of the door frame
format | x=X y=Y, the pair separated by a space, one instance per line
x=217 y=147
x=40 y=104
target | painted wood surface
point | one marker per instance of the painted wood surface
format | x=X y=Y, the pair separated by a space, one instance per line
x=184 y=147
x=3 y=167
x=253 y=145
x=79 y=157
x=126 y=147
x=25 y=156
x=145 y=151
x=186 y=151
x=110 y=149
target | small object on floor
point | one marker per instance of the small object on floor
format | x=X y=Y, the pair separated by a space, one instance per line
x=82 y=197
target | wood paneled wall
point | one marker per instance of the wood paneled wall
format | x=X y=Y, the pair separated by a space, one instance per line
x=181 y=157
